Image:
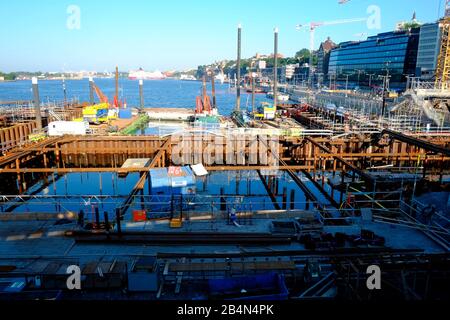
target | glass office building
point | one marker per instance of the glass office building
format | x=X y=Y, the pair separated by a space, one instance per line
x=363 y=61
x=429 y=46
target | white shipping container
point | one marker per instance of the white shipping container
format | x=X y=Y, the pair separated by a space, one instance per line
x=60 y=128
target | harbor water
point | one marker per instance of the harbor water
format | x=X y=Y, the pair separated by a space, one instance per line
x=157 y=93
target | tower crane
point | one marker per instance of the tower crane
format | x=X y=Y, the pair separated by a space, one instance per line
x=443 y=61
x=312 y=28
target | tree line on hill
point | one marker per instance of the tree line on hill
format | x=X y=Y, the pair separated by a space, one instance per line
x=229 y=66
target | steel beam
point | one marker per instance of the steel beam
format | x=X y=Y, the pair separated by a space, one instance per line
x=269 y=192
x=348 y=164
x=417 y=142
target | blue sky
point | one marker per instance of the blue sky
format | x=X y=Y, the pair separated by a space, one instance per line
x=177 y=34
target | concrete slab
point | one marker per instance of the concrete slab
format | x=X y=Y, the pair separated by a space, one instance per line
x=39 y=239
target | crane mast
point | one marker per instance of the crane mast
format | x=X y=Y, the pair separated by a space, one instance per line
x=442 y=80
x=312 y=29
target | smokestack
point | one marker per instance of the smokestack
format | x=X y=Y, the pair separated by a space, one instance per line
x=91 y=90
x=238 y=71
x=37 y=103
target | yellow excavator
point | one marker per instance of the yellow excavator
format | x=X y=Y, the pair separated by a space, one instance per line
x=101 y=112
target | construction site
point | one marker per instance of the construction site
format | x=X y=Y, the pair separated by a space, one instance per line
x=291 y=200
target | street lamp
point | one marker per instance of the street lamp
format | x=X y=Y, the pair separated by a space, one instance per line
x=370 y=79
x=408 y=79
x=385 y=87
x=359 y=73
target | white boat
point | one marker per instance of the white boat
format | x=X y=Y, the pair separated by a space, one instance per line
x=145 y=75
x=280 y=97
x=283 y=97
x=220 y=77
x=187 y=77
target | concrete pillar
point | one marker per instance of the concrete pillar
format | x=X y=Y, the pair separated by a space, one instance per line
x=91 y=90
x=292 y=199
x=284 y=204
x=118 y=223
x=97 y=219
x=106 y=218
x=64 y=92
x=213 y=90
x=141 y=93
x=238 y=70
x=37 y=103
x=275 y=67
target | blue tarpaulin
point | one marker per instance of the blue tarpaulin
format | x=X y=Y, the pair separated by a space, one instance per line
x=269 y=286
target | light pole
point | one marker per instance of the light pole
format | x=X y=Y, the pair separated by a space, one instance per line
x=64 y=91
x=91 y=90
x=252 y=79
x=370 y=79
x=319 y=80
x=359 y=74
x=385 y=87
x=238 y=71
x=408 y=76
x=275 y=67
x=141 y=95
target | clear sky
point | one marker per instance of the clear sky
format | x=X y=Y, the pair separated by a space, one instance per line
x=177 y=34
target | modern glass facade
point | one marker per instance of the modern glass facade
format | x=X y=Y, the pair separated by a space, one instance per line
x=429 y=46
x=396 y=51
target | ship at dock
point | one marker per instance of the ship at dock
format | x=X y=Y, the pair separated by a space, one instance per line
x=145 y=75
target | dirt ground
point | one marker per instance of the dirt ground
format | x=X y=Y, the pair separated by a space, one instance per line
x=120 y=123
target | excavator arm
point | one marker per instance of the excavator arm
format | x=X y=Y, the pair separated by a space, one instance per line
x=101 y=96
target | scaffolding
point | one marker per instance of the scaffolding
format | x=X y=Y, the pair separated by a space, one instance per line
x=23 y=111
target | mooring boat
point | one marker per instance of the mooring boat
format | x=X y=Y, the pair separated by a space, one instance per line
x=280 y=96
